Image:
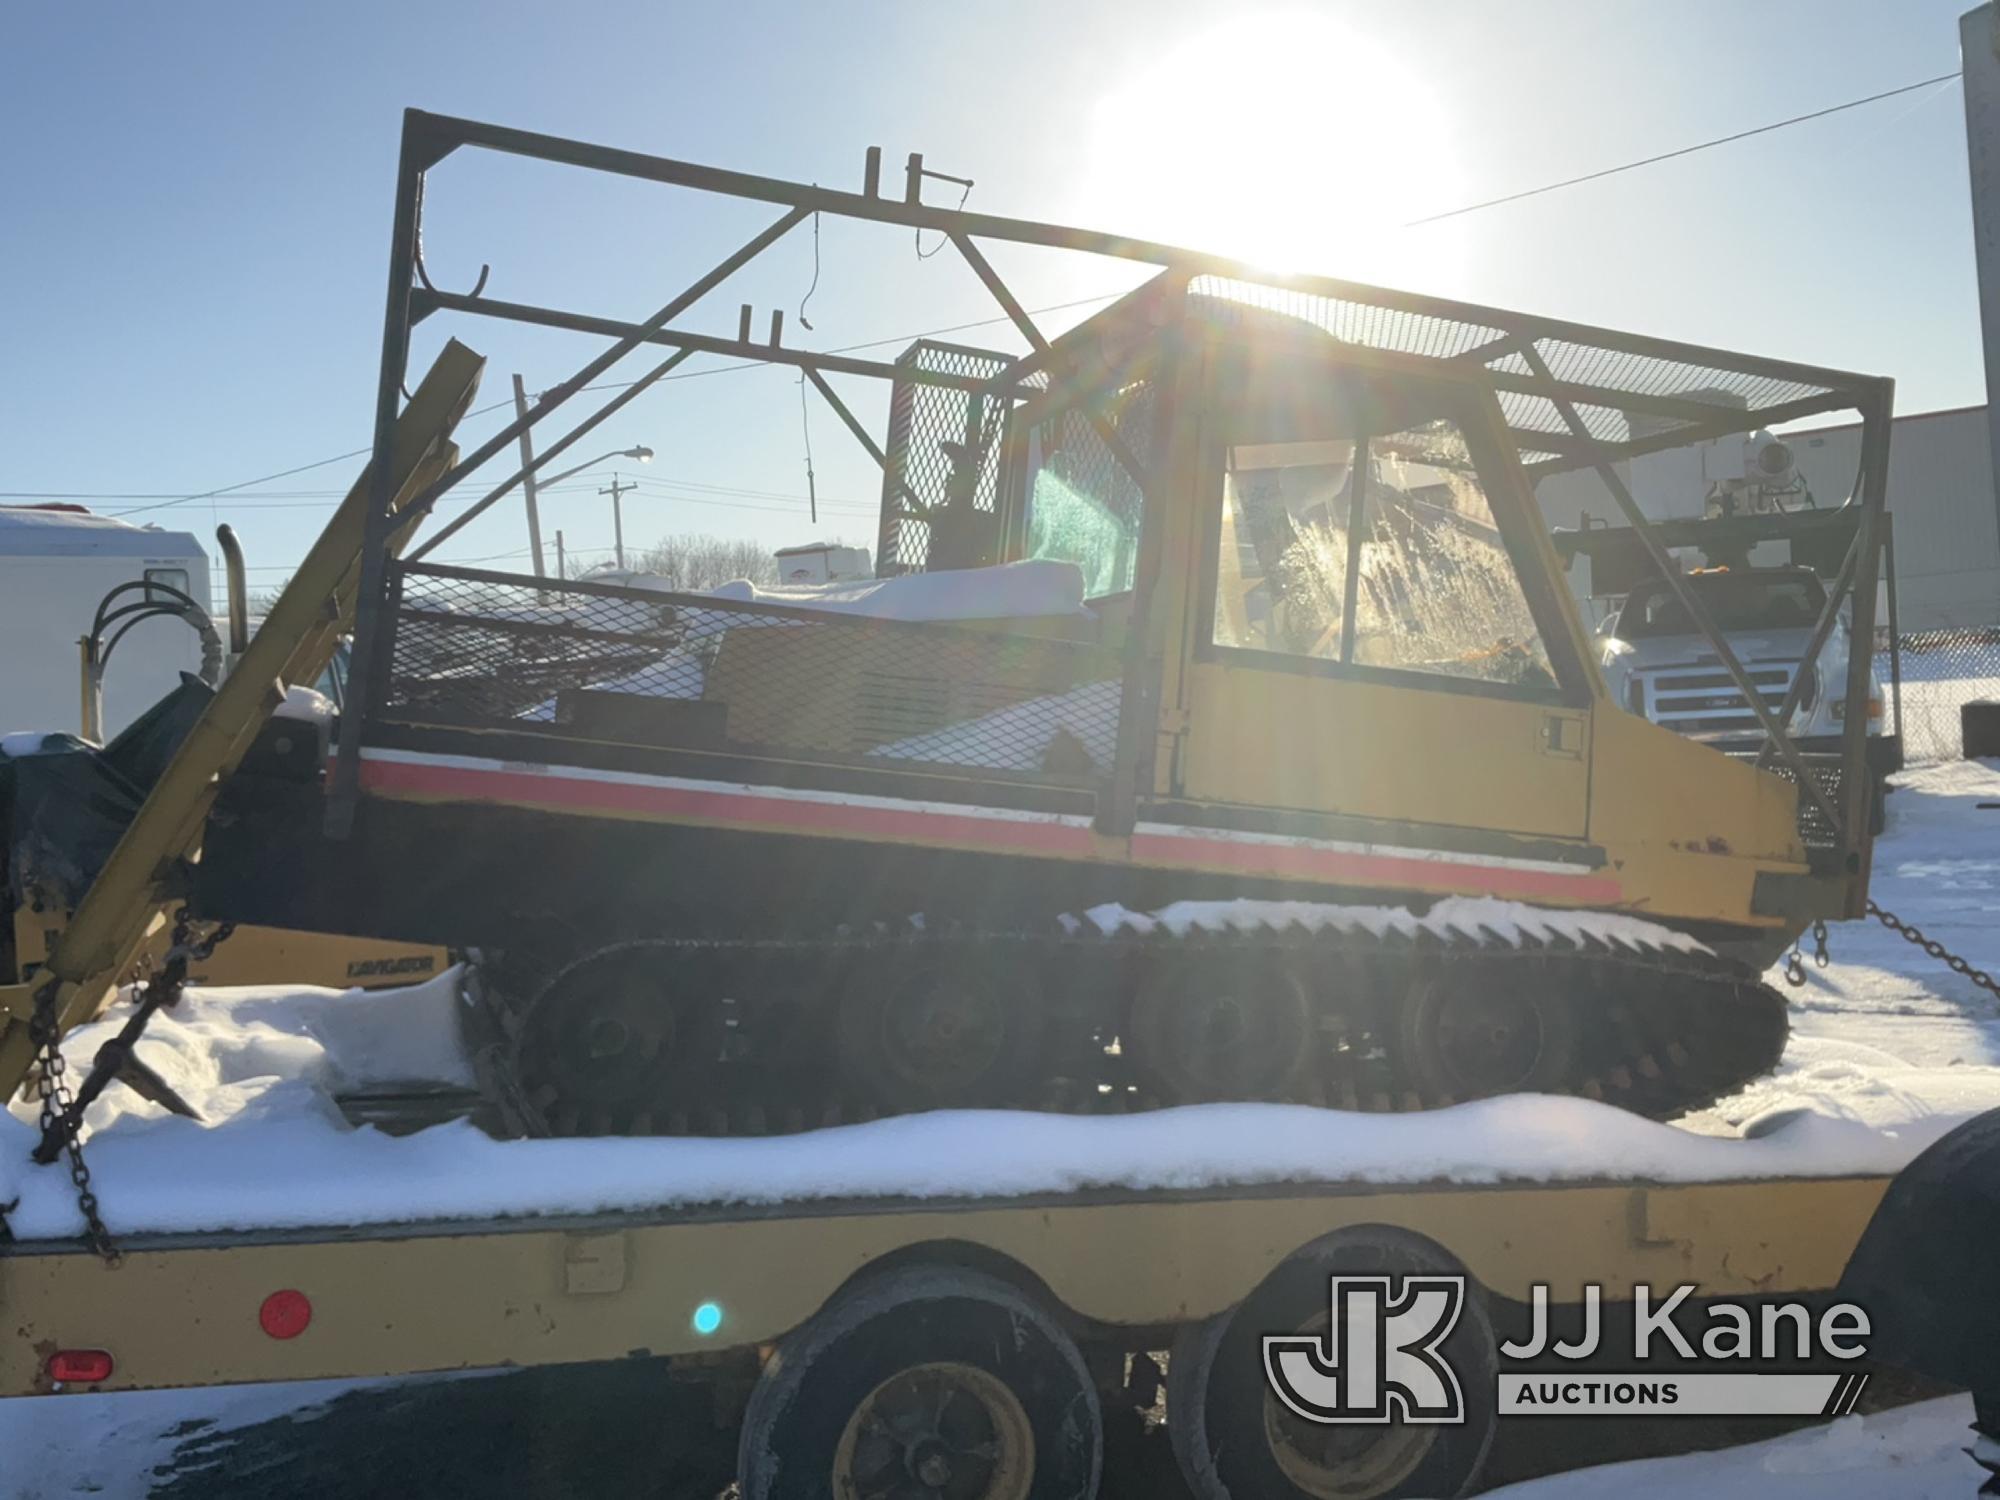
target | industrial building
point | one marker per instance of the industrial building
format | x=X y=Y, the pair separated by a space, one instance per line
x=1941 y=493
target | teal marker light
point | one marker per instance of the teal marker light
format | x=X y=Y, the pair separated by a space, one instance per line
x=707 y=1318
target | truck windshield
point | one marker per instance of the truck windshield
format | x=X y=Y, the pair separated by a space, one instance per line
x=1738 y=601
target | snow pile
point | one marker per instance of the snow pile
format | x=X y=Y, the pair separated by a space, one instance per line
x=1890 y=1051
x=1886 y=1035
x=1473 y=917
x=1030 y=589
x=306 y=705
x=1020 y=738
x=274 y=1153
x=1914 y=1452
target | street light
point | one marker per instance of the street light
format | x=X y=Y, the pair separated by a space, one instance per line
x=642 y=455
x=533 y=484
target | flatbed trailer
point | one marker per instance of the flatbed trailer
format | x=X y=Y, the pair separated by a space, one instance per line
x=740 y=1299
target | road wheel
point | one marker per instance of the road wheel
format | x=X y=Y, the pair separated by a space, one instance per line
x=930 y=1383
x=624 y=1038
x=941 y=1031
x=1233 y=1436
x=1205 y=1030
x=1467 y=1032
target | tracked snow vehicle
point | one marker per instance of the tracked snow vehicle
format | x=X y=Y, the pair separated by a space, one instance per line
x=1220 y=727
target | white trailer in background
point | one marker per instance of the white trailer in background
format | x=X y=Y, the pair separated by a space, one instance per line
x=56 y=566
x=822 y=562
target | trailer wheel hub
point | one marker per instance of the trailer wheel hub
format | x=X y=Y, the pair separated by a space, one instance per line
x=946 y=1430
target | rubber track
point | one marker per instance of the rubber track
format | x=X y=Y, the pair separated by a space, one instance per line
x=1661 y=1031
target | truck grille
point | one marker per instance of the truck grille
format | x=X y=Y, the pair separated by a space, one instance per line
x=1703 y=700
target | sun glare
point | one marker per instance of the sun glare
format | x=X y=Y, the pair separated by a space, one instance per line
x=1286 y=140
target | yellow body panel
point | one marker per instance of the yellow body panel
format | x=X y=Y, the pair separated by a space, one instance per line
x=253 y=955
x=1398 y=753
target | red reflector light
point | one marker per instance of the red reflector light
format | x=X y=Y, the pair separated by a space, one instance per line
x=80 y=1366
x=285 y=1314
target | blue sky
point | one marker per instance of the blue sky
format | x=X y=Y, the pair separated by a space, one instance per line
x=198 y=205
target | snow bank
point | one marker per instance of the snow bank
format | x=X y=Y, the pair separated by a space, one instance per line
x=273 y=1151
x=1029 y=589
x=1915 y=1452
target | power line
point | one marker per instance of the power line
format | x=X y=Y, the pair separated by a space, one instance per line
x=1647 y=161
x=163 y=501
x=167 y=500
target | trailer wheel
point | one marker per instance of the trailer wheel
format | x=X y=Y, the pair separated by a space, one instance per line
x=1234 y=1437
x=931 y=1383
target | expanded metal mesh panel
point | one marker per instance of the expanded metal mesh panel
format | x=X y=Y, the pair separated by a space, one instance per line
x=1365 y=323
x=1607 y=381
x=686 y=671
x=1527 y=415
x=1726 y=389
x=1814 y=829
x=932 y=430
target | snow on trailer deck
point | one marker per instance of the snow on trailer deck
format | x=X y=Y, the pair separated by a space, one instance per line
x=1889 y=1052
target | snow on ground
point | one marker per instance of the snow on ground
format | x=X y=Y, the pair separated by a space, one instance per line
x=1912 y=1453
x=112 y=1446
x=1891 y=1050
x=1886 y=1035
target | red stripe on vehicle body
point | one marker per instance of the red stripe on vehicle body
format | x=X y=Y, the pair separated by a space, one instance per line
x=1356 y=867
x=1030 y=835
x=783 y=814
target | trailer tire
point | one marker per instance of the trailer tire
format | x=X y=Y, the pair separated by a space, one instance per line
x=823 y=1417
x=1229 y=1431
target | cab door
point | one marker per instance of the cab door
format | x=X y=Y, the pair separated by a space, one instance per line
x=1378 y=628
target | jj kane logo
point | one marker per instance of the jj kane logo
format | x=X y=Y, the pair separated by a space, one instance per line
x=1382 y=1358
x=1379 y=1360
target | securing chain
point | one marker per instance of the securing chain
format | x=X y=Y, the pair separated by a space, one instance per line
x=1912 y=934
x=61 y=1113
x=58 y=1107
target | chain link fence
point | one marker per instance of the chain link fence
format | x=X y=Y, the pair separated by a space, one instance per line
x=1943 y=670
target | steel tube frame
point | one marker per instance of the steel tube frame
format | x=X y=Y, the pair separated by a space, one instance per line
x=1642 y=527
x=450 y=132
x=555 y=450
x=1861 y=630
x=1822 y=628
x=429 y=138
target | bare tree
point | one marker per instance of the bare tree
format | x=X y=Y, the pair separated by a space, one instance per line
x=692 y=562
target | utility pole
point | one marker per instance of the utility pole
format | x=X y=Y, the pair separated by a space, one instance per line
x=615 y=490
x=560 y=573
x=528 y=477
